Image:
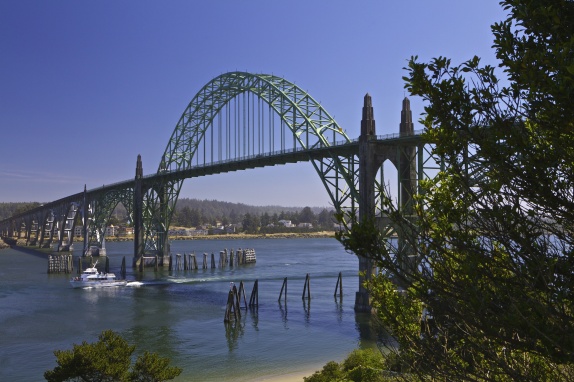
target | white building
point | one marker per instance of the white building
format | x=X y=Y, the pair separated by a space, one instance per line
x=111 y=230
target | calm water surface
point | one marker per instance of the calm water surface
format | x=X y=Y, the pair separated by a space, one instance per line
x=180 y=314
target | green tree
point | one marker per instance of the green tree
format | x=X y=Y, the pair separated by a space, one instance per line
x=25 y=207
x=307 y=216
x=325 y=219
x=265 y=220
x=487 y=266
x=362 y=365
x=109 y=359
x=250 y=223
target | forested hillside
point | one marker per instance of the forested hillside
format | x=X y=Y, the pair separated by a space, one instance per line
x=195 y=212
x=9 y=209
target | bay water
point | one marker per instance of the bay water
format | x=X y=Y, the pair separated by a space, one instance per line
x=180 y=314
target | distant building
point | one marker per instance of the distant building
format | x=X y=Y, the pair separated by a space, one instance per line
x=305 y=225
x=125 y=231
x=112 y=230
x=286 y=223
x=179 y=232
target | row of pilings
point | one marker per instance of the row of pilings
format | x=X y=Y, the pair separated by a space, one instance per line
x=60 y=264
x=237 y=295
x=233 y=258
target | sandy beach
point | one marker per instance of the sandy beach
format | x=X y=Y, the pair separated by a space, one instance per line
x=296 y=376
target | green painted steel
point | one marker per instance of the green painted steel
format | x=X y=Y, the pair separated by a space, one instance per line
x=310 y=124
x=100 y=209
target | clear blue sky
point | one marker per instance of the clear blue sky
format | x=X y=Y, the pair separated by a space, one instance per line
x=86 y=86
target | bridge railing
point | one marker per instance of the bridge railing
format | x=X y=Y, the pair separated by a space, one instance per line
x=399 y=135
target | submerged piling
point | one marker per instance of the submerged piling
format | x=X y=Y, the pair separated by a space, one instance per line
x=254 y=298
x=284 y=286
x=230 y=307
x=307 y=287
x=123 y=268
x=339 y=286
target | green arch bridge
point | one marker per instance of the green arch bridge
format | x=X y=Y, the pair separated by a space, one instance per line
x=238 y=121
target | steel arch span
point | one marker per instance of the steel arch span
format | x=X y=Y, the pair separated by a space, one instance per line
x=307 y=122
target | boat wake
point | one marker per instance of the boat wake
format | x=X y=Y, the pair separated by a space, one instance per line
x=134 y=284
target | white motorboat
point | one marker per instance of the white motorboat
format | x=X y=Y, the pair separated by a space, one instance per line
x=92 y=278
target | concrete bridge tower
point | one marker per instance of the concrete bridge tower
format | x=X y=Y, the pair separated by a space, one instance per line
x=372 y=154
x=368 y=167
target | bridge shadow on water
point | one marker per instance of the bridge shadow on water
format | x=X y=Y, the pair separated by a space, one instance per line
x=32 y=251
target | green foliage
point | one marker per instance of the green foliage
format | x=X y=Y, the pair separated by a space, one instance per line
x=150 y=367
x=330 y=372
x=490 y=255
x=362 y=365
x=109 y=359
x=250 y=223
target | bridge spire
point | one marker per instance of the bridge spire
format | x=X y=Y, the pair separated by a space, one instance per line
x=406 y=126
x=368 y=121
x=139 y=168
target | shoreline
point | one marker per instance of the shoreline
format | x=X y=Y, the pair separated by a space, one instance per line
x=241 y=236
x=235 y=236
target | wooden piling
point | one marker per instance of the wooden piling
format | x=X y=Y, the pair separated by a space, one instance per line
x=205 y=261
x=254 y=298
x=230 y=308
x=236 y=301
x=123 y=268
x=192 y=261
x=185 y=263
x=339 y=286
x=284 y=286
x=307 y=287
x=107 y=267
x=156 y=263
x=212 y=260
x=242 y=294
x=79 y=265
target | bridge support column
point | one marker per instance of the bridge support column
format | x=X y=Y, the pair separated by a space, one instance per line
x=139 y=248
x=371 y=157
x=407 y=182
x=368 y=166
